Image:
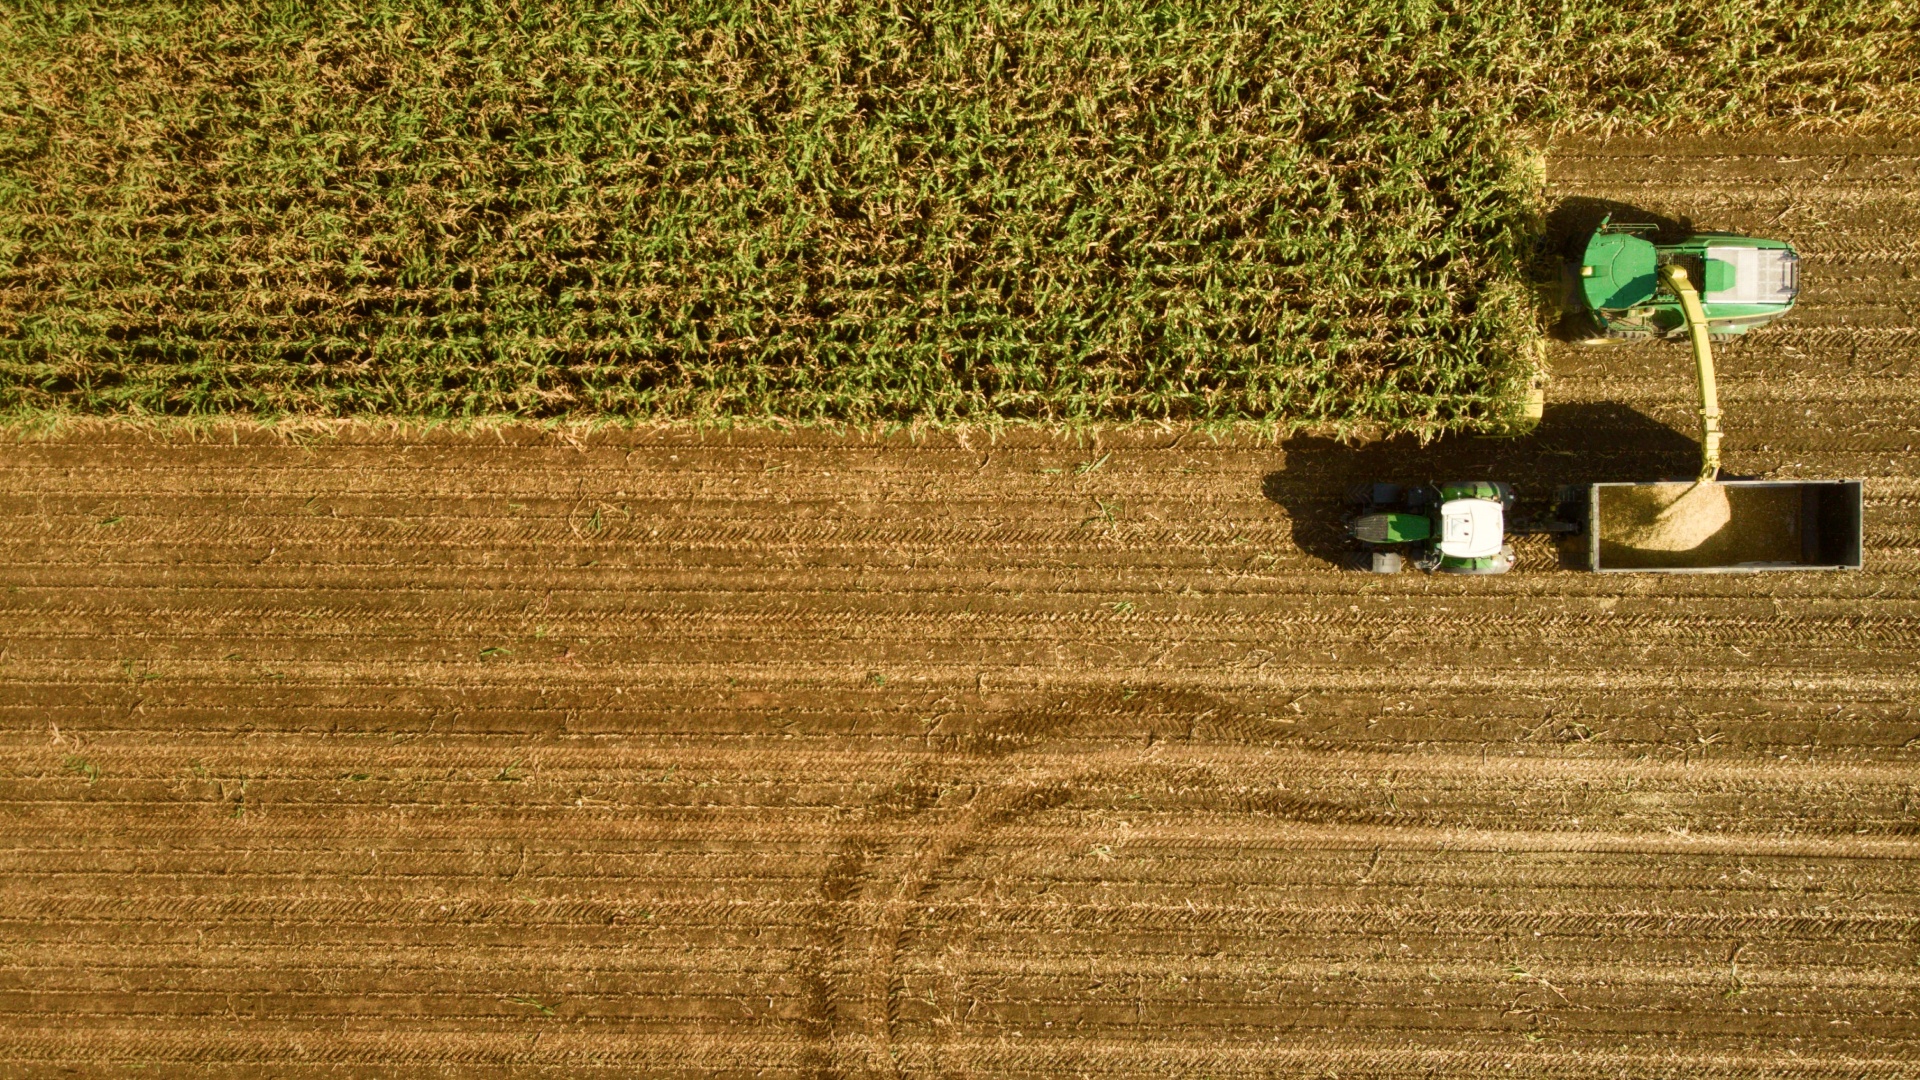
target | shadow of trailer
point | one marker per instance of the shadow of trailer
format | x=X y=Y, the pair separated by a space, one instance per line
x=1768 y=525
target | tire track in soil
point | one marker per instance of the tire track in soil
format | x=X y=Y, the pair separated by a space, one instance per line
x=870 y=888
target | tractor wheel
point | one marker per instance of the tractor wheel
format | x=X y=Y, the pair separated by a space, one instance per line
x=1386 y=562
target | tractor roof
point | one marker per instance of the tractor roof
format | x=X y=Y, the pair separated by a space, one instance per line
x=1471 y=528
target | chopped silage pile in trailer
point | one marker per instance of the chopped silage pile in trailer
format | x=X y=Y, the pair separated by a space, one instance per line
x=1664 y=521
x=1697 y=524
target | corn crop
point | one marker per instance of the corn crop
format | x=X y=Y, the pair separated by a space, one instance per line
x=852 y=211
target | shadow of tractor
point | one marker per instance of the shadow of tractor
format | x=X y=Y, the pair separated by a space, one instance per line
x=1573 y=445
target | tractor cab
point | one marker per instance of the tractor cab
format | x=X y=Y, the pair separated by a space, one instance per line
x=1744 y=282
x=1472 y=528
x=1448 y=528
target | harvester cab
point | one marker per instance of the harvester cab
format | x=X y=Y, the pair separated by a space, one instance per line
x=1457 y=528
x=1743 y=282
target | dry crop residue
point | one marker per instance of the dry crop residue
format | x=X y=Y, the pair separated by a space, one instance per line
x=771 y=756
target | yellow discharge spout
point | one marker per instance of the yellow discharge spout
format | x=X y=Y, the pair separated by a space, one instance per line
x=1676 y=279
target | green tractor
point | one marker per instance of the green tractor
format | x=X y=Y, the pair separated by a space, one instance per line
x=1620 y=288
x=1457 y=528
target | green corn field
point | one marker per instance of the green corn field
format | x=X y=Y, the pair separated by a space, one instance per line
x=864 y=212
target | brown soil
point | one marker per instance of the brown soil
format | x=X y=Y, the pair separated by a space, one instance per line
x=777 y=756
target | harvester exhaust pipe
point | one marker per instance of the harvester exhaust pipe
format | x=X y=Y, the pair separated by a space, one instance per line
x=1676 y=278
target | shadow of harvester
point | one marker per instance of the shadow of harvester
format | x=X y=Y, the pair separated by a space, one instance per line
x=1575 y=444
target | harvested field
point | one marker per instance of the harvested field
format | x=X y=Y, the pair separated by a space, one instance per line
x=762 y=755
